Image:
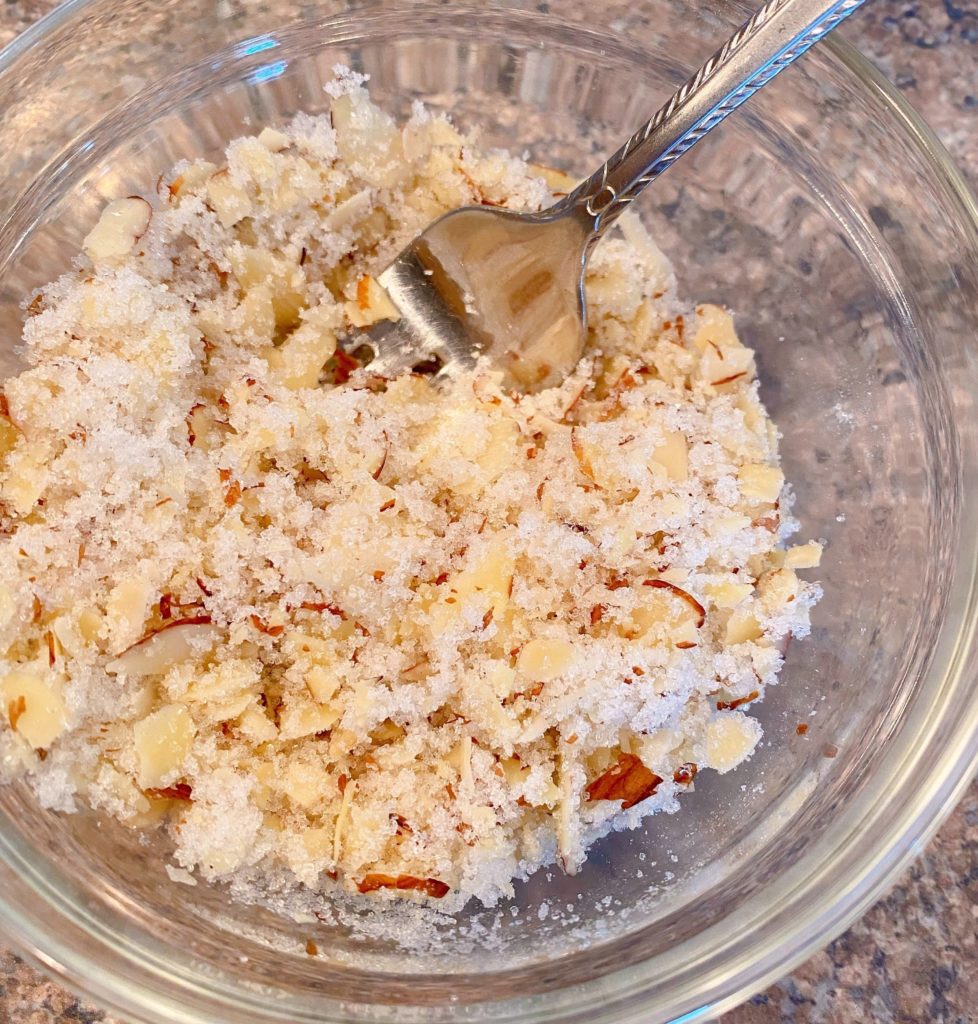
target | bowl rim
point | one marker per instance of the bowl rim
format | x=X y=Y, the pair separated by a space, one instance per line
x=866 y=880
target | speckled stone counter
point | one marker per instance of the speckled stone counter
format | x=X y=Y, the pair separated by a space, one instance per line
x=913 y=958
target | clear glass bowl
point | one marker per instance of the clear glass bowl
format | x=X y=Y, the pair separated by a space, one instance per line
x=829 y=219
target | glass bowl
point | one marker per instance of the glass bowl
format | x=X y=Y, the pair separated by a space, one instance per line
x=829 y=219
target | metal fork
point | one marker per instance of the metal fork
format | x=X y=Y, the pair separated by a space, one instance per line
x=511 y=285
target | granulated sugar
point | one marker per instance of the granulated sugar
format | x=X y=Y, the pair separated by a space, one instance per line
x=376 y=635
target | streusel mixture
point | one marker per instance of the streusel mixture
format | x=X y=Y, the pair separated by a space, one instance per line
x=396 y=636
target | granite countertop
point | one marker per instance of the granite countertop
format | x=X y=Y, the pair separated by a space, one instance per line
x=913 y=958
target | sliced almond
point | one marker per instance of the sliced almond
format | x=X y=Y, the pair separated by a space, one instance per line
x=351 y=210
x=559 y=182
x=727 y=594
x=298 y=362
x=230 y=200
x=372 y=304
x=429 y=886
x=177 y=641
x=543 y=660
x=273 y=139
x=34 y=707
x=759 y=482
x=582 y=453
x=163 y=741
x=673 y=456
x=126 y=609
x=684 y=595
x=742 y=627
x=628 y=781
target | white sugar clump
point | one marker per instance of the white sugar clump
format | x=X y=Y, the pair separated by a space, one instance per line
x=382 y=636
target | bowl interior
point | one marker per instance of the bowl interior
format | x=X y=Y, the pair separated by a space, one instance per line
x=793 y=215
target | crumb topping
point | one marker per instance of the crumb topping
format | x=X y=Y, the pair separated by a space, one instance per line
x=391 y=636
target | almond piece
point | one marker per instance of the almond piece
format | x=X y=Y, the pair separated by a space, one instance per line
x=729 y=739
x=34 y=706
x=298 y=362
x=698 y=610
x=159 y=651
x=273 y=139
x=429 y=886
x=321 y=684
x=803 y=556
x=349 y=211
x=542 y=660
x=371 y=305
x=759 y=482
x=126 y=609
x=122 y=223
x=673 y=456
x=559 y=182
x=387 y=732
x=163 y=741
x=732 y=705
x=742 y=627
x=628 y=781
x=230 y=201
x=367 y=137
x=180 y=791
x=728 y=595
x=582 y=454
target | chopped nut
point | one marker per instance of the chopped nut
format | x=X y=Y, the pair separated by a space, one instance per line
x=742 y=627
x=543 y=660
x=628 y=781
x=760 y=483
x=176 y=641
x=673 y=457
x=122 y=223
x=163 y=741
x=371 y=305
x=429 y=886
x=730 y=705
x=263 y=627
x=685 y=773
x=730 y=737
x=581 y=454
x=803 y=556
x=684 y=595
x=229 y=199
x=35 y=707
x=274 y=140
x=180 y=791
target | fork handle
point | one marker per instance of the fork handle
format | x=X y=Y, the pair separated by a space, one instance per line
x=779 y=33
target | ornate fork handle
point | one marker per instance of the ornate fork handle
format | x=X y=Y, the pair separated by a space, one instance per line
x=779 y=33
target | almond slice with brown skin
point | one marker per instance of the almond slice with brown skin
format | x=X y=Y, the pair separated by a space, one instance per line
x=680 y=593
x=732 y=705
x=429 y=886
x=628 y=781
x=122 y=223
x=577 y=446
x=158 y=651
x=180 y=791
